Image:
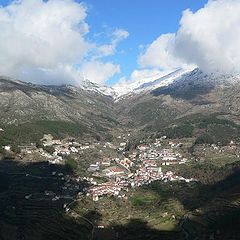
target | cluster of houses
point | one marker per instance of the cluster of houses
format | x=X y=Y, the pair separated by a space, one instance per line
x=109 y=188
x=60 y=149
x=164 y=155
x=125 y=162
x=142 y=166
x=64 y=147
x=119 y=183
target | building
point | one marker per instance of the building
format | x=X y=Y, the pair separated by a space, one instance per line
x=93 y=168
x=113 y=171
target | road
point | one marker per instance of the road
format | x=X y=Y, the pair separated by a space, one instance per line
x=183 y=220
x=75 y=214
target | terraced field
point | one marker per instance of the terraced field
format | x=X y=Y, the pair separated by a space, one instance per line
x=29 y=204
x=33 y=199
x=220 y=219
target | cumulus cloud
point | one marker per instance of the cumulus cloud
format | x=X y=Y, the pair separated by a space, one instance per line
x=41 y=36
x=159 y=54
x=45 y=41
x=99 y=71
x=61 y=74
x=208 y=38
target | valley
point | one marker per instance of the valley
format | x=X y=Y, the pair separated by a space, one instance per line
x=156 y=163
x=119 y=120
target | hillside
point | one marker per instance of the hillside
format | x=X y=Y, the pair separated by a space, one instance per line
x=156 y=107
x=23 y=103
x=191 y=94
x=198 y=113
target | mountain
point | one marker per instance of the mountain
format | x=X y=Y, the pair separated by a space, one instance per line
x=23 y=103
x=99 y=111
x=179 y=97
x=204 y=108
x=149 y=83
x=102 y=89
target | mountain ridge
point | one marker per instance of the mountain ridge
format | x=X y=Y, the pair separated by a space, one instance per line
x=156 y=103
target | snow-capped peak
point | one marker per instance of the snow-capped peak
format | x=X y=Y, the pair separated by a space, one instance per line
x=105 y=90
x=150 y=83
x=142 y=84
x=163 y=81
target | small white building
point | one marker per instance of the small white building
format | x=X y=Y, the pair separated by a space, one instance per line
x=7 y=148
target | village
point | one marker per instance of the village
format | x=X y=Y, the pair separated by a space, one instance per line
x=142 y=166
x=116 y=175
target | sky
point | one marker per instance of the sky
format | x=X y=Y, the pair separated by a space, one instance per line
x=116 y=42
x=145 y=20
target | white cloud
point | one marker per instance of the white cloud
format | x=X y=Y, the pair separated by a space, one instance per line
x=155 y=62
x=62 y=74
x=208 y=38
x=119 y=35
x=39 y=35
x=159 y=54
x=45 y=41
x=109 y=49
x=99 y=71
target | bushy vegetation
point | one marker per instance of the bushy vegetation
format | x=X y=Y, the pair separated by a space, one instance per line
x=207 y=129
x=206 y=121
x=207 y=172
x=181 y=131
x=153 y=113
x=32 y=132
x=223 y=133
x=71 y=164
x=204 y=139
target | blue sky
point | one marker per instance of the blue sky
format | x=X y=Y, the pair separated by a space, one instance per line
x=145 y=20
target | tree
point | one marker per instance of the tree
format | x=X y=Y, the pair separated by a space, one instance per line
x=71 y=164
x=15 y=149
x=204 y=139
x=49 y=149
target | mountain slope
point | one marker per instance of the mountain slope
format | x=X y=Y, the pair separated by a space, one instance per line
x=188 y=94
x=22 y=102
x=102 y=89
x=152 y=106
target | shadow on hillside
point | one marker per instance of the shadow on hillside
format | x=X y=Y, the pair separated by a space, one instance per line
x=29 y=208
x=135 y=229
x=219 y=203
x=197 y=194
x=188 y=91
x=32 y=198
x=220 y=220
